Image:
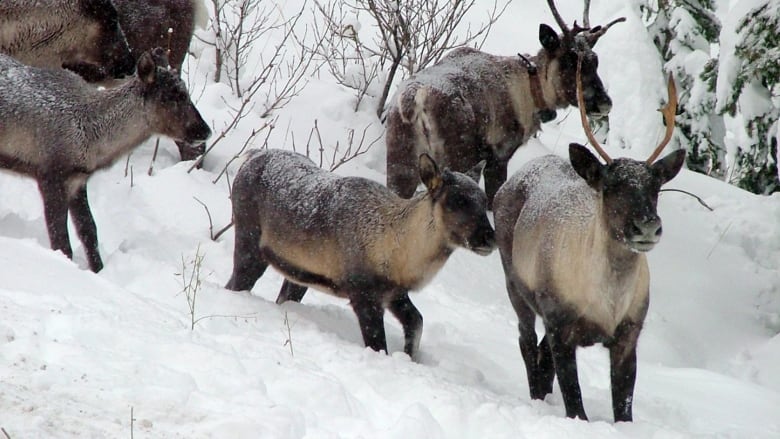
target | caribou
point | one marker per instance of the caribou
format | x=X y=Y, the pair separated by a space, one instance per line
x=80 y=35
x=58 y=129
x=164 y=23
x=352 y=237
x=572 y=238
x=474 y=106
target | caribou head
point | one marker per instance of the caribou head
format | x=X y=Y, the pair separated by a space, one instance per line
x=629 y=187
x=576 y=43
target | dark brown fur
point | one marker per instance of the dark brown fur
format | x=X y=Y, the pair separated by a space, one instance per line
x=59 y=130
x=473 y=106
x=80 y=35
x=351 y=236
x=146 y=24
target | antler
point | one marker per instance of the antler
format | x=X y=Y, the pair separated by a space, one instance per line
x=592 y=34
x=558 y=18
x=584 y=118
x=598 y=31
x=669 y=112
x=586 y=14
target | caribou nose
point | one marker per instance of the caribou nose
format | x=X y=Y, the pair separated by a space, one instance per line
x=483 y=240
x=605 y=106
x=648 y=229
x=198 y=132
x=599 y=107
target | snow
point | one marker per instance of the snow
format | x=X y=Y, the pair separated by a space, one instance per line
x=79 y=351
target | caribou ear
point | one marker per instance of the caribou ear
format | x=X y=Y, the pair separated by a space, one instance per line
x=430 y=174
x=549 y=38
x=669 y=166
x=146 y=68
x=475 y=172
x=587 y=165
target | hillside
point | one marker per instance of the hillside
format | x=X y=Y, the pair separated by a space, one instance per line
x=80 y=352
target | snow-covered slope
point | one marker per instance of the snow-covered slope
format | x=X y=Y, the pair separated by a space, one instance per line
x=79 y=351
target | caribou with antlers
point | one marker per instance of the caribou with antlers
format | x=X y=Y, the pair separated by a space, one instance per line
x=572 y=237
x=474 y=106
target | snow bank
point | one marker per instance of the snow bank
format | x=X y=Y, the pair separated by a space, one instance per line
x=78 y=351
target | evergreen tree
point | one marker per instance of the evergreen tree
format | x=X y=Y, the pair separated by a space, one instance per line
x=756 y=96
x=683 y=31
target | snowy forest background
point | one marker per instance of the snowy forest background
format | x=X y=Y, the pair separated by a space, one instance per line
x=723 y=54
x=154 y=346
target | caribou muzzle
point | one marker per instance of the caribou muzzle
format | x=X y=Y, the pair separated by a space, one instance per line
x=483 y=240
x=644 y=233
x=598 y=105
x=197 y=132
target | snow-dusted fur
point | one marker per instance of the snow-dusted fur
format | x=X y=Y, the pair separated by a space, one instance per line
x=572 y=239
x=147 y=23
x=351 y=236
x=81 y=35
x=474 y=106
x=58 y=129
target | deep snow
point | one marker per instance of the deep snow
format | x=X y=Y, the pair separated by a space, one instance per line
x=79 y=351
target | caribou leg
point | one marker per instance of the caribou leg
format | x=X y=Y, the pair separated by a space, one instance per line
x=622 y=355
x=404 y=310
x=85 y=227
x=370 y=315
x=55 y=210
x=291 y=292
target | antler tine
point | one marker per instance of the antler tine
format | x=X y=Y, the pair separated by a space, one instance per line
x=598 y=31
x=558 y=18
x=584 y=118
x=586 y=15
x=576 y=28
x=669 y=111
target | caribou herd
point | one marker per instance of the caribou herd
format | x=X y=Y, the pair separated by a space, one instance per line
x=572 y=234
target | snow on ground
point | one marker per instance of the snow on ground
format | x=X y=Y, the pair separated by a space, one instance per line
x=79 y=351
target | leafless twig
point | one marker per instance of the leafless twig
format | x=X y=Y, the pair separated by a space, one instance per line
x=154 y=156
x=269 y=125
x=288 y=341
x=222 y=230
x=262 y=85
x=208 y=213
x=132 y=422
x=409 y=38
x=698 y=198
x=353 y=150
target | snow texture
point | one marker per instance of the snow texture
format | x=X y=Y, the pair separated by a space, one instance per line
x=79 y=351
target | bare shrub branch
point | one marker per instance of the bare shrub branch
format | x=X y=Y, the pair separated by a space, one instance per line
x=191 y=282
x=410 y=37
x=263 y=80
x=353 y=148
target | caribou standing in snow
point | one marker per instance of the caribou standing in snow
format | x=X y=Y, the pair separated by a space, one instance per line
x=352 y=237
x=58 y=129
x=163 y=23
x=80 y=35
x=572 y=237
x=474 y=106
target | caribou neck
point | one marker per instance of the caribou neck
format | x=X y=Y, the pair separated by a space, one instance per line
x=117 y=121
x=536 y=90
x=554 y=98
x=419 y=241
